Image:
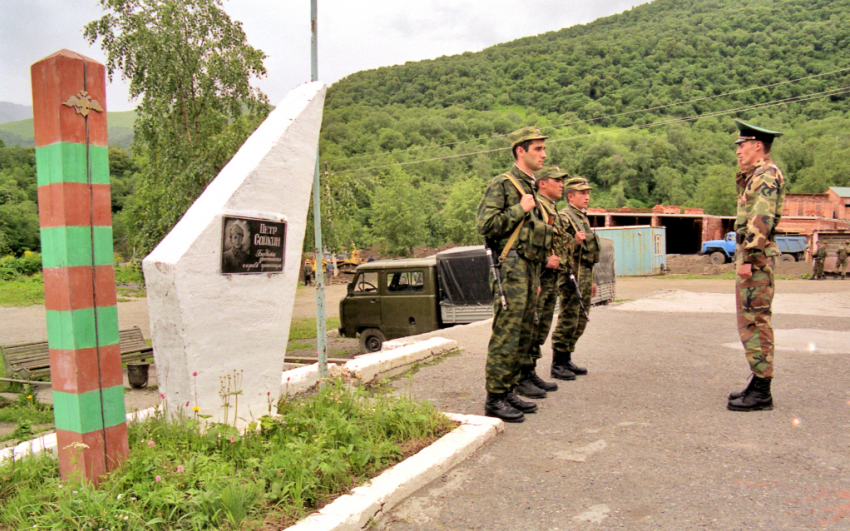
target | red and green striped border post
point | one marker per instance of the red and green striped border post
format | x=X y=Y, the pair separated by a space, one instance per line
x=75 y=213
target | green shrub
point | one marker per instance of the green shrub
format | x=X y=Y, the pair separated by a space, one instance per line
x=181 y=475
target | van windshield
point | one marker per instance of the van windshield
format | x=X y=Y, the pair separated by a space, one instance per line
x=366 y=282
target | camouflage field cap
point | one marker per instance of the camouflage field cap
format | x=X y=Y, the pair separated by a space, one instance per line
x=550 y=172
x=576 y=184
x=751 y=132
x=526 y=133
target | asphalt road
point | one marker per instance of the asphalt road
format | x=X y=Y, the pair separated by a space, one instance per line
x=644 y=441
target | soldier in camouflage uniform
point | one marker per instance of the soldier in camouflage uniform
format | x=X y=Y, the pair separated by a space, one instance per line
x=572 y=320
x=550 y=188
x=820 y=261
x=761 y=193
x=843 y=253
x=514 y=230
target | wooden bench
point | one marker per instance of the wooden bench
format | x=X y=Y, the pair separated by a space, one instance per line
x=28 y=361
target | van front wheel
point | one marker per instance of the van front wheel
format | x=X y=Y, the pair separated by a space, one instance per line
x=371 y=340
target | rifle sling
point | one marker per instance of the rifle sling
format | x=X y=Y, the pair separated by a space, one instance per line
x=515 y=234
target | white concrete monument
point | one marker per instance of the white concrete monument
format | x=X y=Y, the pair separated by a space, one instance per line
x=221 y=285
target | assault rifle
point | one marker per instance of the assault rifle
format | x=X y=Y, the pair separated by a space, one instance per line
x=577 y=291
x=495 y=271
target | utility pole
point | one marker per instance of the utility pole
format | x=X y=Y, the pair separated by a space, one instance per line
x=321 y=333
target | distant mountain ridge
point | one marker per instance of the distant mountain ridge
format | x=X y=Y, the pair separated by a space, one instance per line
x=21 y=132
x=12 y=112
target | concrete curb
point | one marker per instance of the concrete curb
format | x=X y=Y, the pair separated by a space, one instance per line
x=48 y=442
x=387 y=363
x=369 y=367
x=353 y=512
x=302 y=379
x=364 y=369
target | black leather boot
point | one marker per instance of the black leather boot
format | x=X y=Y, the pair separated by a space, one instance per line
x=747 y=389
x=758 y=399
x=559 y=367
x=579 y=371
x=526 y=387
x=497 y=406
x=520 y=404
x=549 y=387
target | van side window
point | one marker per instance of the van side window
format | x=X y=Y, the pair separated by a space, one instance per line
x=366 y=282
x=405 y=281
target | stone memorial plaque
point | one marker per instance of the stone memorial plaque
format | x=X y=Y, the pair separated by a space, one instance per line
x=251 y=245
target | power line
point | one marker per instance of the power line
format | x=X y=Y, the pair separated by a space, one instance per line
x=792 y=99
x=648 y=109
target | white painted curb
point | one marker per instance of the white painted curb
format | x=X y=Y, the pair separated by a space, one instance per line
x=48 y=442
x=364 y=369
x=304 y=378
x=353 y=512
x=386 y=363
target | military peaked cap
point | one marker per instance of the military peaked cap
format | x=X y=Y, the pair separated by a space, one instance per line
x=577 y=184
x=550 y=172
x=526 y=133
x=750 y=132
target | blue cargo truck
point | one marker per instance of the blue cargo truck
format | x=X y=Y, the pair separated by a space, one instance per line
x=793 y=248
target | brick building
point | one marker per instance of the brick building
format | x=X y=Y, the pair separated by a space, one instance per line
x=688 y=228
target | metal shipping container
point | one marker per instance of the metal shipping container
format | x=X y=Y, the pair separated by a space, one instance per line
x=639 y=250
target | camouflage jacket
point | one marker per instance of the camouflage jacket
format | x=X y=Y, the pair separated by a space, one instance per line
x=576 y=221
x=563 y=244
x=499 y=211
x=761 y=193
x=821 y=254
x=843 y=252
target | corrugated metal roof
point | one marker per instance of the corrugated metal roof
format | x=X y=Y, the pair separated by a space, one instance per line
x=842 y=191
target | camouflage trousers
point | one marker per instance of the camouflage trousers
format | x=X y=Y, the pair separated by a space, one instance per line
x=545 y=311
x=507 y=352
x=817 y=270
x=571 y=320
x=754 y=298
x=841 y=266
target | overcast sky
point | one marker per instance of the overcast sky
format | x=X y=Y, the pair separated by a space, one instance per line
x=353 y=35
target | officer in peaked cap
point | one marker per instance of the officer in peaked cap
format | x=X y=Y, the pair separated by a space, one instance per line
x=761 y=193
x=512 y=223
x=748 y=132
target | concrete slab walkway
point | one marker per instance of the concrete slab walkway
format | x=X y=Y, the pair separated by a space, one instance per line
x=644 y=442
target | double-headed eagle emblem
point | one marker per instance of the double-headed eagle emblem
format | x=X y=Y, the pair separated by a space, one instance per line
x=83 y=103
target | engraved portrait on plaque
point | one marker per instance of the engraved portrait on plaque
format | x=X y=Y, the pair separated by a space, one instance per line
x=252 y=245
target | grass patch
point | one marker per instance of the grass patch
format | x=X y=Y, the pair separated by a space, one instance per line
x=29 y=290
x=26 y=413
x=22 y=291
x=300 y=346
x=180 y=475
x=306 y=328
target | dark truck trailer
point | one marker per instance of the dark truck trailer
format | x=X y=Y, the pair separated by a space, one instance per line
x=389 y=299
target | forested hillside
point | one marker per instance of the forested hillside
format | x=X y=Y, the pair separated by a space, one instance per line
x=641 y=103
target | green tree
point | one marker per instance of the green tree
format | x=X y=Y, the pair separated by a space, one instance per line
x=716 y=193
x=191 y=67
x=399 y=223
x=458 y=214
